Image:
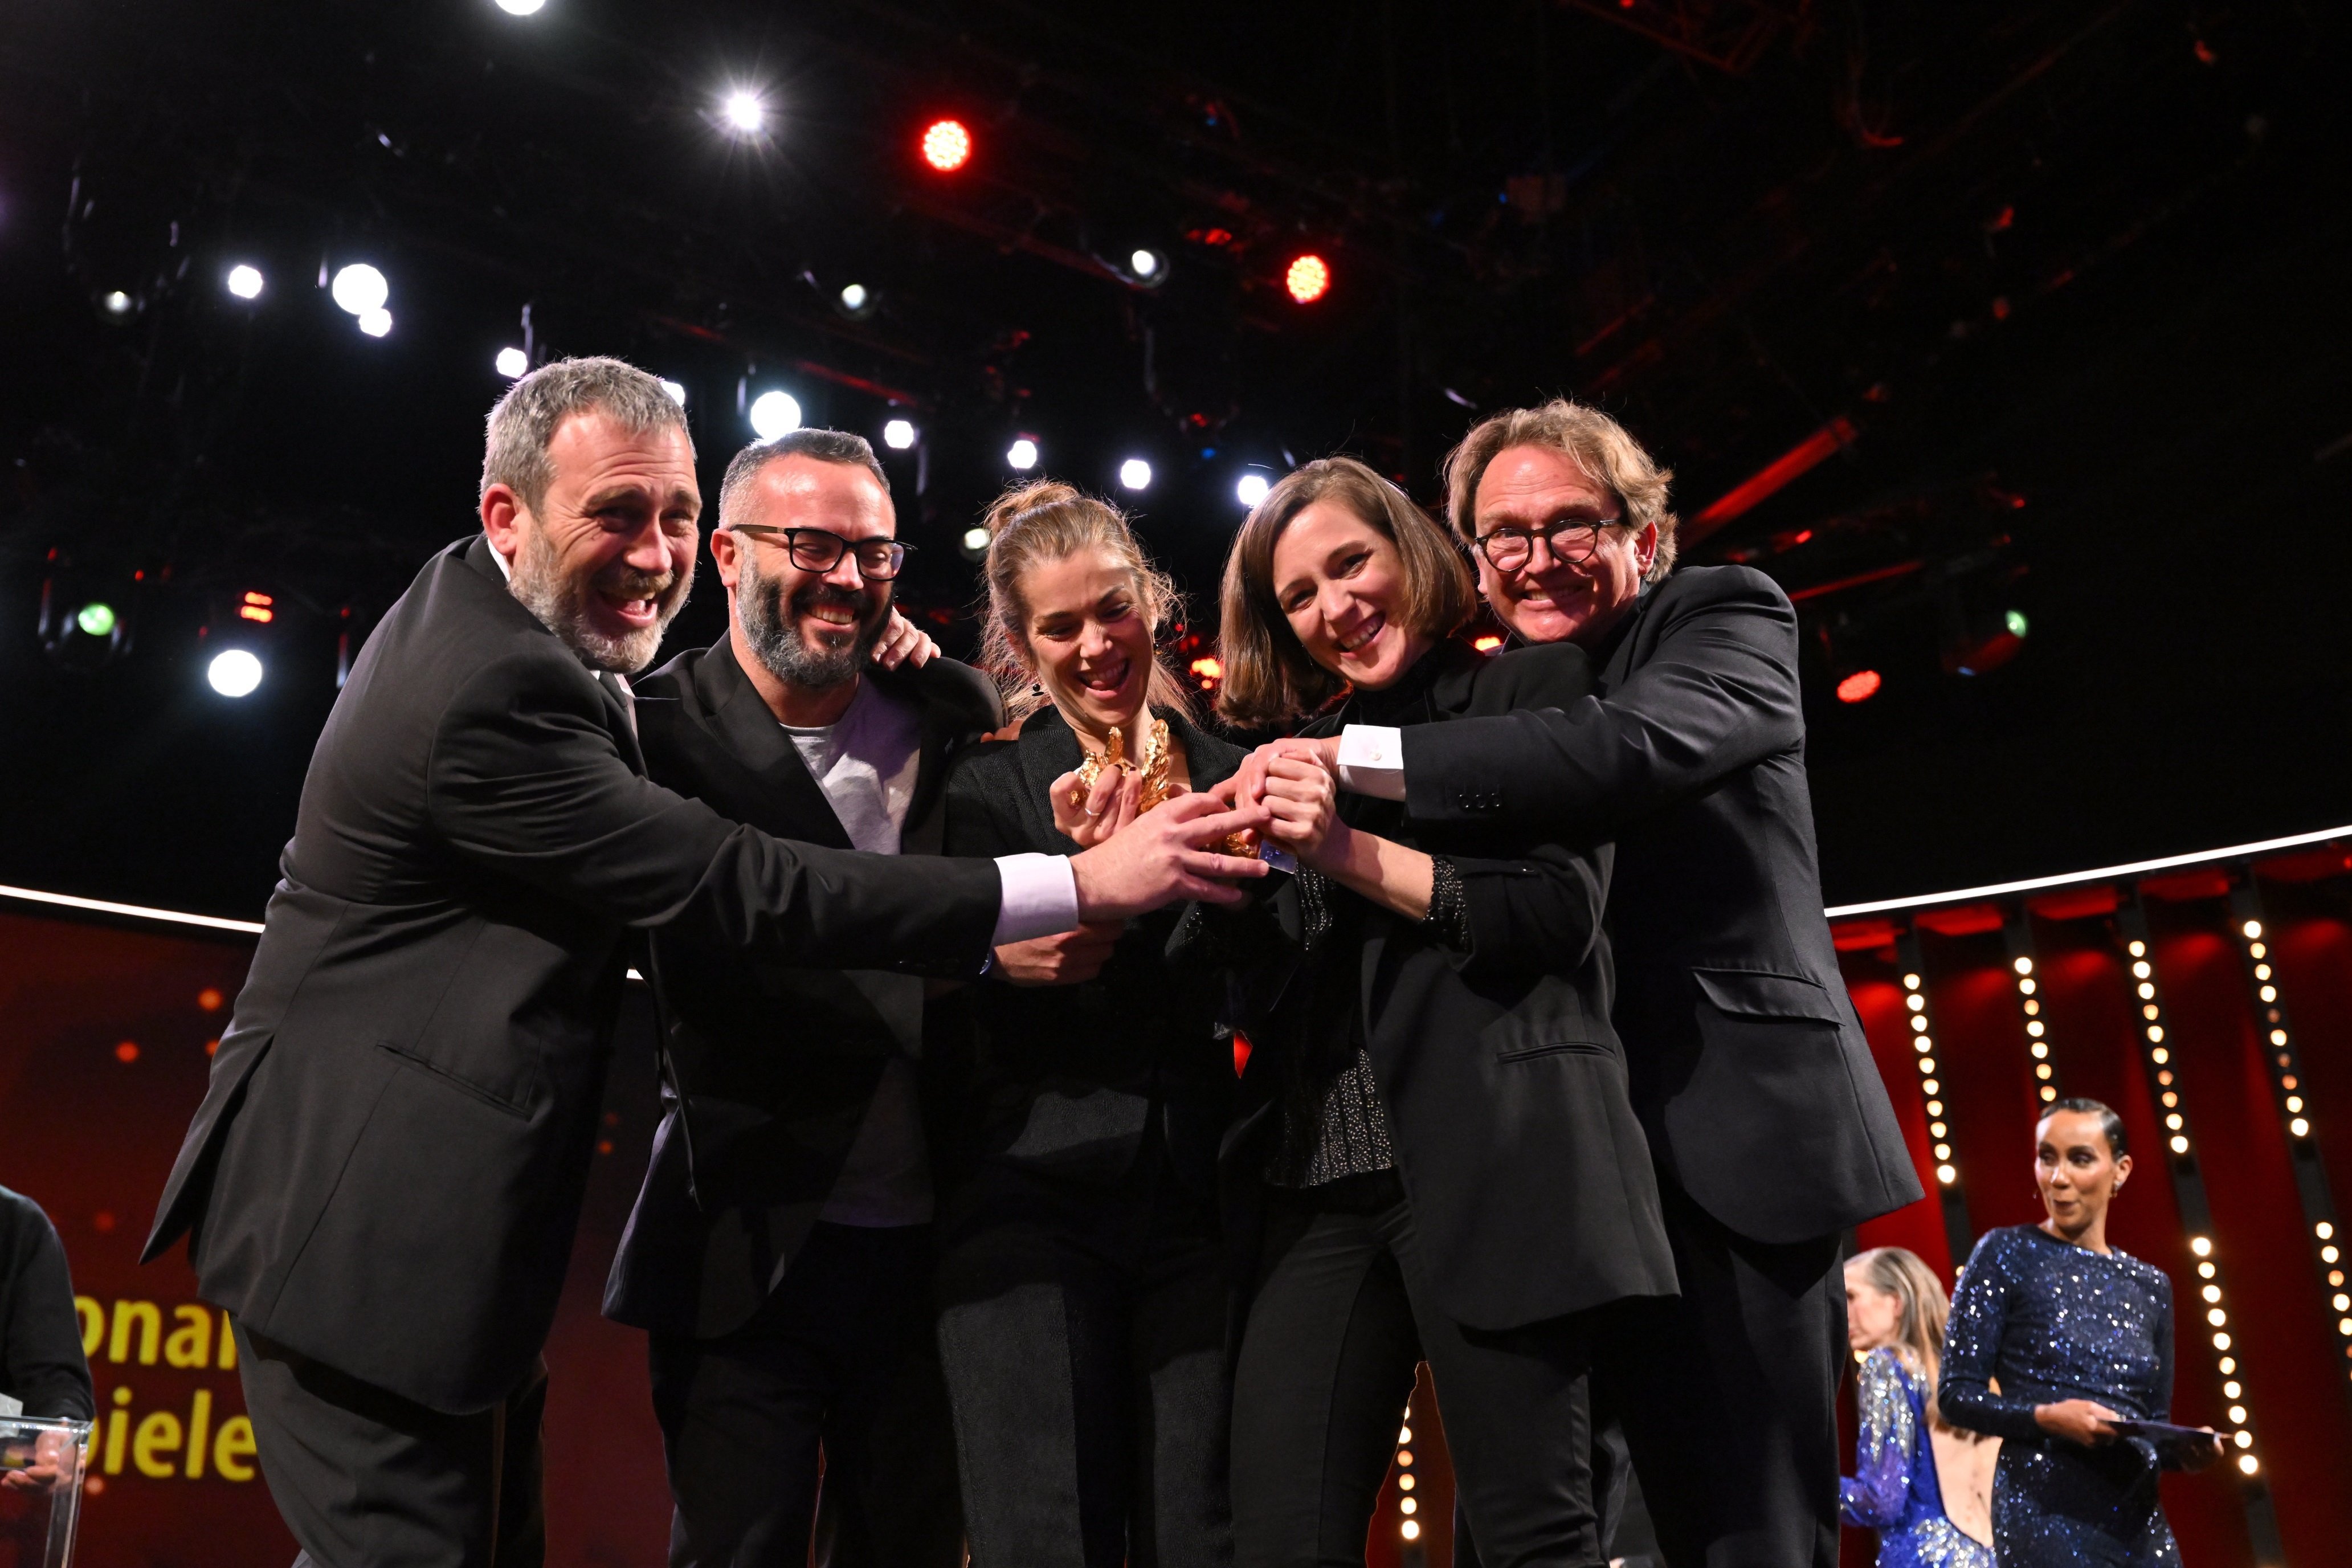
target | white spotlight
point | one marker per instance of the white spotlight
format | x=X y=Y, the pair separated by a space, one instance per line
x=512 y=362
x=975 y=540
x=360 y=289
x=898 y=435
x=1022 y=453
x=244 y=282
x=1145 y=264
x=775 y=413
x=521 y=7
x=234 y=672
x=375 y=323
x=744 y=111
x=117 y=303
x=1251 y=490
x=677 y=390
x=1135 y=473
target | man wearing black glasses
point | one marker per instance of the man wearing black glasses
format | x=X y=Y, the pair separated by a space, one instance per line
x=781 y=1246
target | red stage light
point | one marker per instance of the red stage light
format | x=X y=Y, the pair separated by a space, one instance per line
x=256 y=607
x=1308 y=279
x=1490 y=642
x=1859 y=687
x=947 y=145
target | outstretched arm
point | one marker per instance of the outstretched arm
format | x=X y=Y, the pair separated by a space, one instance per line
x=1875 y=1495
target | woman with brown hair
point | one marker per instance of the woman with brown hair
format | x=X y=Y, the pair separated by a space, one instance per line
x=1436 y=1124
x=1083 y=1291
x=1918 y=1481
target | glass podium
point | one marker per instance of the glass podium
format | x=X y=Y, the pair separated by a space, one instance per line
x=42 y=1464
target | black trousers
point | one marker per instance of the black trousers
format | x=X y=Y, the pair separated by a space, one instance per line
x=363 y=1476
x=1341 y=1316
x=1082 y=1327
x=837 y=1363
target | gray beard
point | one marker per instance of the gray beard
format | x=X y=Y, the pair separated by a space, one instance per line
x=772 y=628
x=561 y=608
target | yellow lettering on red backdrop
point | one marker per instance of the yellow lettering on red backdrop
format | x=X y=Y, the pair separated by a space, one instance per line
x=227 y=1345
x=149 y=1319
x=200 y=1422
x=93 y=1324
x=232 y=1448
x=191 y=1344
x=157 y=1438
x=117 y=1425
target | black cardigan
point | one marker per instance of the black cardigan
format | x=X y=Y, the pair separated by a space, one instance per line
x=1529 y=1177
x=1068 y=1079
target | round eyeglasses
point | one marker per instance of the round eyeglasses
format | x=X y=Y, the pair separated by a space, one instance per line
x=817 y=550
x=1572 y=543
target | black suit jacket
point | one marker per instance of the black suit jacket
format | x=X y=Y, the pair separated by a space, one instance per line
x=387 y=1168
x=772 y=1065
x=1749 y=1068
x=1530 y=1183
x=1068 y=1079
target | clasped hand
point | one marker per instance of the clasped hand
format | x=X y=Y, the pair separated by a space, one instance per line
x=1295 y=782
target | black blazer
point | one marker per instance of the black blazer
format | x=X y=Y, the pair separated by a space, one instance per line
x=1067 y=1079
x=770 y=1067
x=1530 y=1183
x=1750 y=1070
x=387 y=1168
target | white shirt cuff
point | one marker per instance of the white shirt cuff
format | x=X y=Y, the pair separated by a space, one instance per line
x=1040 y=898
x=1372 y=761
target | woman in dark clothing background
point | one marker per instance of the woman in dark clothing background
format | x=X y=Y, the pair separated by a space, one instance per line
x=1083 y=1293
x=2079 y=1337
x=1449 y=1167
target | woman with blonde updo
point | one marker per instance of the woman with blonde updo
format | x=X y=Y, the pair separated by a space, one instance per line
x=1082 y=1290
x=1920 y=1483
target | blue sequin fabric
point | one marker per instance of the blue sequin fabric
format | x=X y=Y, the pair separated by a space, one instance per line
x=2052 y=1321
x=1893 y=1489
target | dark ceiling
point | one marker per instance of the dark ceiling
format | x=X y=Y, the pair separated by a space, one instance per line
x=2053 y=295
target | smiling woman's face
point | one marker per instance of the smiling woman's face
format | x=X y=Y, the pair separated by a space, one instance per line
x=1340 y=583
x=1090 y=638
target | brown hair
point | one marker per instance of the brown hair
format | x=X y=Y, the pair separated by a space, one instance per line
x=1589 y=438
x=1048 y=521
x=1919 y=1330
x=1268 y=676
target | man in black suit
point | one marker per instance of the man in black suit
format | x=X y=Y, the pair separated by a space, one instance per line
x=1771 y=1131
x=383 y=1182
x=780 y=1249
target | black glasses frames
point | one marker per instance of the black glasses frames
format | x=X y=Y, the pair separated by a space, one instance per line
x=1572 y=543
x=818 y=550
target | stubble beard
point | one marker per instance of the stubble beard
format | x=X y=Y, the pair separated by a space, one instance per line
x=772 y=628
x=561 y=606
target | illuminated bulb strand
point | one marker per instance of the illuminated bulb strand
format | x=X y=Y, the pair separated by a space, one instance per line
x=1408 y=1527
x=2019 y=929
x=2287 y=1088
x=2188 y=1190
x=1957 y=1230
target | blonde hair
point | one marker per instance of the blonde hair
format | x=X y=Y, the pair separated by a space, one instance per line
x=1269 y=677
x=1048 y=521
x=1589 y=438
x=1920 y=1330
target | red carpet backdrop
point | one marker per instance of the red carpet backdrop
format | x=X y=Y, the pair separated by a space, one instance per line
x=2211 y=1006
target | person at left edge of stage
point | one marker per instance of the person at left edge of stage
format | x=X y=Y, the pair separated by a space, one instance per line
x=384 y=1180
x=779 y=1252
x=1082 y=1288
x=1437 y=1132
x=44 y=1374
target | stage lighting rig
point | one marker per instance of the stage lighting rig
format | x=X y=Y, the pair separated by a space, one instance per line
x=775 y=413
x=360 y=289
x=743 y=111
x=1135 y=474
x=947 y=145
x=244 y=281
x=1146 y=268
x=975 y=544
x=117 y=307
x=512 y=363
x=1023 y=454
x=677 y=390
x=376 y=323
x=1308 y=278
x=83 y=624
x=898 y=435
x=1251 y=490
x=234 y=672
x=521 y=7
x=855 y=301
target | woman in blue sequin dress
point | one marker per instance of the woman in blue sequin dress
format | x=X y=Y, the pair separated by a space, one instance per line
x=1895 y=1321
x=2078 y=1336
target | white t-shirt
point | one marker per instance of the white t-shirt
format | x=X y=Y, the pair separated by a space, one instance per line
x=865 y=762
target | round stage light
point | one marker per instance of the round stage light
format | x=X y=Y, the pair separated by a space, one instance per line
x=95 y=618
x=1859 y=687
x=521 y=7
x=1308 y=279
x=1148 y=267
x=1251 y=490
x=1022 y=453
x=117 y=303
x=677 y=390
x=743 y=111
x=360 y=289
x=512 y=363
x=244 y=282
x=375 y=323
x=234 y=672
x=898 y=435
x=1135 y=474
x=775 y=413
x=2015 y=621
x=975 y=541
x=947 y=145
